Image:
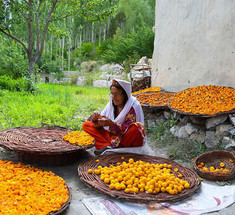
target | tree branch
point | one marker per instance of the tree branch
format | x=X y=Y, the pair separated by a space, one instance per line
x=14 y=38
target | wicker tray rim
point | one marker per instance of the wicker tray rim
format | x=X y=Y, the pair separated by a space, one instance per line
x=72 y=148
x=96 y=184
x=200 y=115
x=215 y=176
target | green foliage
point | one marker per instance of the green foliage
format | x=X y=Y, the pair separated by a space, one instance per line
x=87 y=50
x=56 y=105
x=138 y=13
x=187 y=149
x=137 y=43
x=13 y=61
x=7 y=83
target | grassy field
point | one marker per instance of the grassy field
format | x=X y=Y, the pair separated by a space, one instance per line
x=56 y=105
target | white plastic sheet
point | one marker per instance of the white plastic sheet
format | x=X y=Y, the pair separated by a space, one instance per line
x=209 y=198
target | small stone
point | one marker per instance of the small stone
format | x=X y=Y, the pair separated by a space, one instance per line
x=101 y=83
x=167 y=114
x=190 y=128
x=222 y=129
x=160 y=119
x=175 y=130
x=232 y=119
x=184 y=120
x=226 y=140
x=183 y=133
x=214 y=121
x=230 y=146
x=198 y=136
x=232 y=131
x=151 y=123
x=80 y=81
x=210 y=140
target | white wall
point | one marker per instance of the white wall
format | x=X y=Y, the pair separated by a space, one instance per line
x=194 y=44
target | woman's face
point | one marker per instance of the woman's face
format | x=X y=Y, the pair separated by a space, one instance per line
x=117 y=96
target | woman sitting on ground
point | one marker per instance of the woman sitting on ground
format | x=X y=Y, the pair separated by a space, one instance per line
x=121 y=123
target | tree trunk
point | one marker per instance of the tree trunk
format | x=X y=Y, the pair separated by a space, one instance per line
x=69 y=54
x=104 y=31
x=62 y=55
x=100 y=34
x=51 y=46
x=92 y=32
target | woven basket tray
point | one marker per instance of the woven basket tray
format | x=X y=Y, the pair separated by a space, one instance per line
x=200 y=115
x=163 y=101
x=93 y=180
x=63 y=207
x=43 y=145
x=214 y=158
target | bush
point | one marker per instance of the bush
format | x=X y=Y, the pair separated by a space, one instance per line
x=13 y=59
x=87 y=50
x=10 y=84
x=139 y=43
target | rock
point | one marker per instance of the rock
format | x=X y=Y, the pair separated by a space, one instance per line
x=143 y=60
x=80 y=81
x=198 y=136
x=226 y=140
x=88 y=66
x=151 y=123
x=232 y=131
x=214 y=121
x=184 y=120
x=101 y=83
x=183 y=133
x=210 y=140
x=232 y=118
x=189 y=128
x=111 y=69
x=167 y=114
x=198 y=120
x=160 y=119
x=230 y=146
x=175 y=130
x=222 y=129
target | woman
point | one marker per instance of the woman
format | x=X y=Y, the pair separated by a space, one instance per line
x=121 y=123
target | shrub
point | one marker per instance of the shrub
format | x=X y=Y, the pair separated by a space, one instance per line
x=10 y=84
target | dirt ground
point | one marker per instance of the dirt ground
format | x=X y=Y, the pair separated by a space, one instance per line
x=80 y=191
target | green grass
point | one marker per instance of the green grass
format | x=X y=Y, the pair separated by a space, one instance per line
x=56 y=105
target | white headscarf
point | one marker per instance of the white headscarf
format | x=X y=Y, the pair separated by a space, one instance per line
x=131 y=102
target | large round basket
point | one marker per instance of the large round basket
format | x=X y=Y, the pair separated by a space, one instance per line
x=213 y=159
x=198 y=114
x=154 y=99
x=64 y=206
x=42 y=145
x=94 y=182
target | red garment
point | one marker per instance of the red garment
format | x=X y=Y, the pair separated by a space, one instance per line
x=131 y=138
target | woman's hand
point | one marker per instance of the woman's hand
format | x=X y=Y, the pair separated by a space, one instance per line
x=105 y=121
x=95 y=116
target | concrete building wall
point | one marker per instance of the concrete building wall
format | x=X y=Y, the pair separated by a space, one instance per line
x=194 y=44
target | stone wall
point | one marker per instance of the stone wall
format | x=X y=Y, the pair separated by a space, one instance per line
x=212 y=131
x=194 y=44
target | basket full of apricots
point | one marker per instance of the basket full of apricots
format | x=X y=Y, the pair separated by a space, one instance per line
x=217 y=165
x=139 y=178
x=204 y=101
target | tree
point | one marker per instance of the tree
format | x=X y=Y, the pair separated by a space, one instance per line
x=37 y=16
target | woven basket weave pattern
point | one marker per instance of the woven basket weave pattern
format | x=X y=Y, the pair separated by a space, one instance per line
x=214 y=158
x=93 y=180
x=44 y=145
